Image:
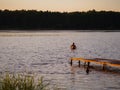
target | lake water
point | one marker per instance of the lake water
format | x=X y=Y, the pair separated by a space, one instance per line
x=48 y=54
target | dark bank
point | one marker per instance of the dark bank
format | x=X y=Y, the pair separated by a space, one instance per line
x=47 y=20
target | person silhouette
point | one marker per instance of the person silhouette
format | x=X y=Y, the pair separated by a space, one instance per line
x=73 y=46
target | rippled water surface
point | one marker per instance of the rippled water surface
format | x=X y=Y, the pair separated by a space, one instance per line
x=48 y=54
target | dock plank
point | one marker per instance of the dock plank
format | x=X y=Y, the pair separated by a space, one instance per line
x=109 y=62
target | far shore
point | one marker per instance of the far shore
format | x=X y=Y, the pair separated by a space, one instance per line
x=47 y=30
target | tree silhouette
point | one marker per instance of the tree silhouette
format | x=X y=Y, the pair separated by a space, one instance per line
x=39 y=20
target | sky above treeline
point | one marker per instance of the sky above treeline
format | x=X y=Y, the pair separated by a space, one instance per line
x=61 y=5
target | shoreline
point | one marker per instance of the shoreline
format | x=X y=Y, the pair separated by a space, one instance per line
x=47 y=30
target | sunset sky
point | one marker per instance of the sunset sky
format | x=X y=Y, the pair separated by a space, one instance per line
x=61 y=5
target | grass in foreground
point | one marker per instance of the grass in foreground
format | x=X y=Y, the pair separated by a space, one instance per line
x=22 y=82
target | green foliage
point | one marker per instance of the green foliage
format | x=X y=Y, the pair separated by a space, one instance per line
x=22 y=82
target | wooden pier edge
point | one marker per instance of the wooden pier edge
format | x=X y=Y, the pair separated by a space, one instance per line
x=102 y=62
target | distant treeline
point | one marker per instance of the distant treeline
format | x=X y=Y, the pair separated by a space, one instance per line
x=39 y=20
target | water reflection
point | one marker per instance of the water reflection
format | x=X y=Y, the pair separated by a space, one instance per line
x=45 y=55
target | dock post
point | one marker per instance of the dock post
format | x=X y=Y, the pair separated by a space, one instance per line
x=71 y=62
x=79 y=63
x=84 y=64
x=104 y=66
x=88 y=66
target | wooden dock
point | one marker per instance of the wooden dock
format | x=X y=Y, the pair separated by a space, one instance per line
x=100 y=61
